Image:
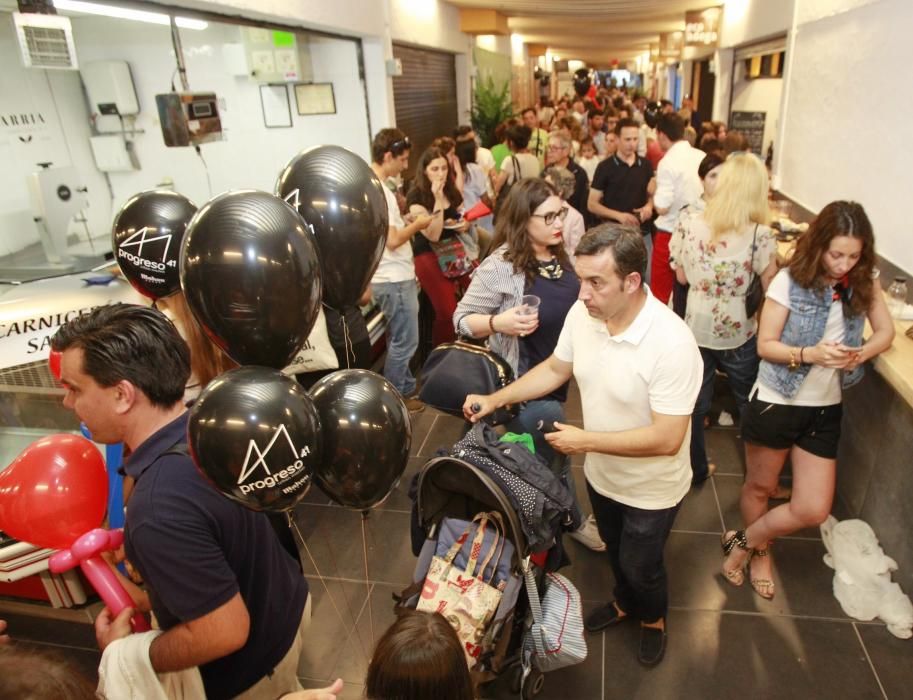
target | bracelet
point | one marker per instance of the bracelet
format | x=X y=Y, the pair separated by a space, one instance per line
x=793 y=361
x=491 y=323
x=801 y=358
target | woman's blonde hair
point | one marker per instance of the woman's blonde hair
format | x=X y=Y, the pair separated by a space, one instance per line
x=740 y=197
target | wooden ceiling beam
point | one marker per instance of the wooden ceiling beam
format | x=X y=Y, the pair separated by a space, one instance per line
x=478 y=21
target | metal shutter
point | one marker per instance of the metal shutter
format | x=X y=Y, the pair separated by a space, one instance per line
x=424 y=97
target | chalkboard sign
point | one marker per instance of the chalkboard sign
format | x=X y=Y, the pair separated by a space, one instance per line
x=751 y=126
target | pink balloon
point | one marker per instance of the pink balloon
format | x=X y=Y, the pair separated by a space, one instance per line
x=86 y=553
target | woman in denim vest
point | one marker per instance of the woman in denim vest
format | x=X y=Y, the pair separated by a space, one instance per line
x=811 y=347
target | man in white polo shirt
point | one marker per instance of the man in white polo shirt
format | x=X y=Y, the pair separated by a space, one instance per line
x=393 y=284
x=639 y=371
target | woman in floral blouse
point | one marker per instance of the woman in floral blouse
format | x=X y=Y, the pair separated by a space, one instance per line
x=717 y=251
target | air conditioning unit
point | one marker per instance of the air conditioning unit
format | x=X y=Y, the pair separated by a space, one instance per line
x=46 y=41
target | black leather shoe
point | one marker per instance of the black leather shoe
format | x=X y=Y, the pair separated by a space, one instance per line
x=603 y=617
x=652 y=645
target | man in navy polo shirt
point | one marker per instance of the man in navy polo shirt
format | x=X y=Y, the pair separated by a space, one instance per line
x=623 y=184
x=229 y=599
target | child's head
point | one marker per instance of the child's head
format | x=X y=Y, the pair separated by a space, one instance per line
x=587 y=148
x=418 y=657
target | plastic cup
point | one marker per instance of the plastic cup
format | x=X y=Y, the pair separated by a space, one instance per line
x=530 y=305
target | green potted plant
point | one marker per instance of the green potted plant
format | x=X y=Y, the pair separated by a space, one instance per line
x=490 y=106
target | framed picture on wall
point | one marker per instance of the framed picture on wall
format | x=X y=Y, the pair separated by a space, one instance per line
x=315 y=98
x=277 y=109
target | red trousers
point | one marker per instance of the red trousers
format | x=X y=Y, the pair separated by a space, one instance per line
x=442 y=292
x=661 y=275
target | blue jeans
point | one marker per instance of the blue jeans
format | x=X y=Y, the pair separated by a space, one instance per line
x=635 y=539
x=399 y=303
x=527 y=421
x=741 y=366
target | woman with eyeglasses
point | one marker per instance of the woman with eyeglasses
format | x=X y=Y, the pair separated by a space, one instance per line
x=528 y=258
x=811 y=346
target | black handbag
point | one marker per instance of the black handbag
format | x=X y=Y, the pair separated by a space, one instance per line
x=755 y=294
x=454 y=370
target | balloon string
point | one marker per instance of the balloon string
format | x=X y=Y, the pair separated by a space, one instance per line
x=294 y=526
x=350 y=352
x=364 y=549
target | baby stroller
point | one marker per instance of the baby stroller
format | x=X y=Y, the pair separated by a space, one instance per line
x=451 y=488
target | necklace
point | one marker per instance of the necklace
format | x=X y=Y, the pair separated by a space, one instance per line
x=550 y=269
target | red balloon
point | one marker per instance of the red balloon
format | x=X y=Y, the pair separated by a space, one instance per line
x=54 y=363
x=53 y=492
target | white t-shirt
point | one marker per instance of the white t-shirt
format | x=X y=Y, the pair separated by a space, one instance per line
x=589 y=165
x=485 y=160
x=529 y=166
x=654 y=365
x=822 y=384
x=677 y=183
x=395 y=265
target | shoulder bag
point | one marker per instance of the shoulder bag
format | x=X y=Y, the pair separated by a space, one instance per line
x=555 y=638
x=755 y=295
x=456 y=369
x=465 y=599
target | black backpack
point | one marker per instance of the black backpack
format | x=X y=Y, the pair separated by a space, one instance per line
x=541 y=500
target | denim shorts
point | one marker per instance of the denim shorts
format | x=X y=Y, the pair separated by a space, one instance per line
x=816 y=429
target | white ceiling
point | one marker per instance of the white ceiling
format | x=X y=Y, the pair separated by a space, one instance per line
x=594 y=31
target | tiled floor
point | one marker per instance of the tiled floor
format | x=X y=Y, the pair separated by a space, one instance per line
x=724 y=642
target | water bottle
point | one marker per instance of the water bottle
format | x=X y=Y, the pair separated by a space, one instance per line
x=897 y=296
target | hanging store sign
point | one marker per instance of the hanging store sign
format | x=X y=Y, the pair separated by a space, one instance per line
x=671 y=45
x=702 y=27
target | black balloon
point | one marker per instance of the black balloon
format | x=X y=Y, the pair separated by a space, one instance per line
x=343 y=202
x=367 y=434
x=652 y=112
x=250 y=273
x=582 y=81
x=256 y=435
x=146 y=240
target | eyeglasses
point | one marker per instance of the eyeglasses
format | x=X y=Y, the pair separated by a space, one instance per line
x=549 y=218
x=557 y=147
x=398 y=147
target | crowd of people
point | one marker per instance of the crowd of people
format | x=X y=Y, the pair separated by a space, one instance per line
x=645 y=309
x=641 y=250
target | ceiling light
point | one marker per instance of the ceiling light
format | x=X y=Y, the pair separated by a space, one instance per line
x=93 y=8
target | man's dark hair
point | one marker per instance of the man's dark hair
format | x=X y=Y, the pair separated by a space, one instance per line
x=625 y=242
x=625 y=123
x=710 y=161
x=388 y=140
x=130 y=342
x=594 y=111
x=462 y=131
x=528 y=109
x=519 y=135
x=672 y=125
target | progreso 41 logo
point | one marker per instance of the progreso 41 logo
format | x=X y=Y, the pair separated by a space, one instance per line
x=154 y=242
x=257 y=473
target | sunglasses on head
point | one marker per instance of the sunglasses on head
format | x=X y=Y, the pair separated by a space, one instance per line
x=398 y=147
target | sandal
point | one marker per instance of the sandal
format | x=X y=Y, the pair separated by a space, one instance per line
x=730 y=540
x=764 y=587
